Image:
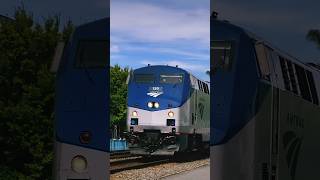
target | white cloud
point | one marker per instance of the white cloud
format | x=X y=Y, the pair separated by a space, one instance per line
x=160 y=34
x=114 y=48
x=151 y=23
x=188 y=54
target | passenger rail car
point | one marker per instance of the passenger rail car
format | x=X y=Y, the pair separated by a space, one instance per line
x=265 y=110
x=168 y=111
x=81 y=107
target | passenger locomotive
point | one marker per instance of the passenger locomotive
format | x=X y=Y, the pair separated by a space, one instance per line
x=168 y=111
x=82 y=104
x=264 y=108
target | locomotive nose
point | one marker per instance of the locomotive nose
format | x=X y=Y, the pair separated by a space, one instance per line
x=162 y=119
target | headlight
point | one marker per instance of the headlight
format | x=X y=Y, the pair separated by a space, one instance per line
x=150 y=104
x=170 y=114
x=79 y=164
x=156 y=105
x=134 y=113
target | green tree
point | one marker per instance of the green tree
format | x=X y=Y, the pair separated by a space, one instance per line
x=27 y=95
x=214 y=15
x=118 y=94
x=314 y=35
x=208 y=72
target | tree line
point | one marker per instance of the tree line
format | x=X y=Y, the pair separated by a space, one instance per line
x=27 y=95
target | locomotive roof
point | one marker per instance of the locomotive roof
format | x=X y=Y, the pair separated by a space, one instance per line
x=157 y=68
x=257 y=38
x=95 y=29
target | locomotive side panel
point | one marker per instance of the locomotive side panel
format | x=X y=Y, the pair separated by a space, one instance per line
x=202 y=114
x=298 y=110
x=298 y=135
x=200 y=108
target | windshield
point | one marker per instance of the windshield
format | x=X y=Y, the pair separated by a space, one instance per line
x=171 y=79
x=144 y=78
x=92 y=54
x=221 y=55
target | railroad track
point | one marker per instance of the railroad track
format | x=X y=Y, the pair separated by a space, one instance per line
x=120 y=154
x=138 y=162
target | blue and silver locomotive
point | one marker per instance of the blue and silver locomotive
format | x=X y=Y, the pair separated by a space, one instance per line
x=265 y=109
x=168 y=111
x=82 y=104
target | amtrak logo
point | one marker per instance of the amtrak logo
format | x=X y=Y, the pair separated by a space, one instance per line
x=155 y=91
x=292 y=144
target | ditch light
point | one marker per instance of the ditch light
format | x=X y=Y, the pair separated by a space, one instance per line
x=79 y=164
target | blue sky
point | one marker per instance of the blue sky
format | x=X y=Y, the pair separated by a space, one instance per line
x=79 y=11
x=173 y=32
x=283 y=23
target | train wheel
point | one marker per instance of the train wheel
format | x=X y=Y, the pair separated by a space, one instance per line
x=195 y=142
x=180 y=156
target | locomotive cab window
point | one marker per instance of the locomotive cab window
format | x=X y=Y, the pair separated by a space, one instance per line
x=200 y=85
x=92 y=54
x=221 y=55
x=144 y=78
x=171 y=79
x=206 y=88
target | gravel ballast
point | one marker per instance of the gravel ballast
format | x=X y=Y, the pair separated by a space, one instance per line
x=159 y=171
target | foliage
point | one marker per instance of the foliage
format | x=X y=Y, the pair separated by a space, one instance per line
x=11 y=174
x=118 y=94
x=214 y=15
x=314 y=35
x=27 y=95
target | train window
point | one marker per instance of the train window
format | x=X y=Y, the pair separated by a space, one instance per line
x=292 y=77
x=144 y=78
x=313 y=89
x=203 y=87
x=283 y=64
x=200 y=85
x=263 y=54
x=303 y=83
x=171 y=79
x=206 y=89
x=221 y=55
x=92 y=54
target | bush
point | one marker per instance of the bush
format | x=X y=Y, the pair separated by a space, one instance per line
x=27 y=95
x=118 y=95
